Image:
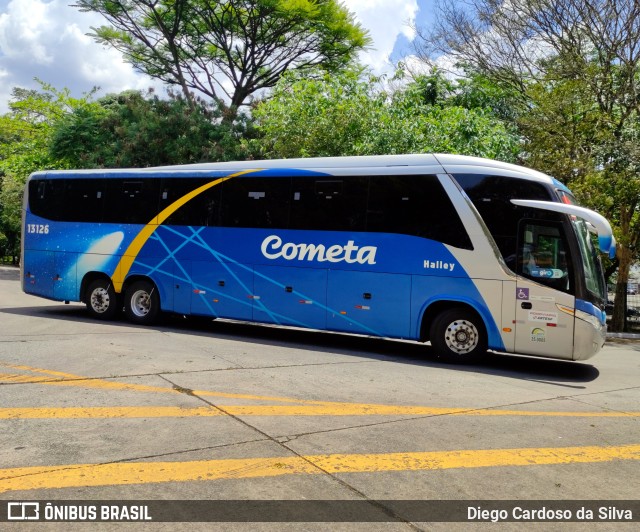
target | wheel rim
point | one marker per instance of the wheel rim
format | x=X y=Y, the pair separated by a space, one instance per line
x=100 y=300
x=141 y=303
x=462 y=337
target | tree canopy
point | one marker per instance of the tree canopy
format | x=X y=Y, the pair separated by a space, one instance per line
x=229 y=48
x=349 y=114
x=25 y=136
x=130 y=130
x=576 y=68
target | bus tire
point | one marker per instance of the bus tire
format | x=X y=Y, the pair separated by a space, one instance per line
x=101 y=299
x=142 y=302
x=458 y=336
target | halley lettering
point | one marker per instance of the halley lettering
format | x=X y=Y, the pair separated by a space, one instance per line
x=273 y=248
x=439 y=265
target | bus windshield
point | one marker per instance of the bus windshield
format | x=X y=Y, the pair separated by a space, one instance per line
x=594 y=279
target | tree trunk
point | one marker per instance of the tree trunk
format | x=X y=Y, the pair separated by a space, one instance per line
x=619 y=319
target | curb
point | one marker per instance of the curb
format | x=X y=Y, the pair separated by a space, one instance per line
x=625 y=336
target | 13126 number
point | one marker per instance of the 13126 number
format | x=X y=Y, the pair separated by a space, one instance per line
x=38 y=229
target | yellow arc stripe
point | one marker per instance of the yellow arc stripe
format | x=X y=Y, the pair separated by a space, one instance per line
x=123 y=267
x=91 y=475
x=276 y=410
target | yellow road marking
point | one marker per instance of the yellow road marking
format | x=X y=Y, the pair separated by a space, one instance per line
x=85 y=475
x=302 y=407
x=69 y=379
x=9 y=377
x=105 y=412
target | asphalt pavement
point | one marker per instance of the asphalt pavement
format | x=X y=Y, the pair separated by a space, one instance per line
x=217 y=411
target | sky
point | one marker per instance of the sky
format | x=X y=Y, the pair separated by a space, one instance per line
x=46 y=39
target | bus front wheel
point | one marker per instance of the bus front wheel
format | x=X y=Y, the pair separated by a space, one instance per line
x=101 y=299
x=142 y=303
x=458 y=336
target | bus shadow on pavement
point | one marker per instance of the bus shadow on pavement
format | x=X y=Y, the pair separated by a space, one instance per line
x=558 y=372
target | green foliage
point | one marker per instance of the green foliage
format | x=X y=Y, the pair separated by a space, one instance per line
x=10 y=217
x=131 y=130
x=346 y=114
x=25 y=134
x=195 y=44
x=576 y=68
x=477 y=91
x=580 y=127
x=315 y=117
x=592 y=147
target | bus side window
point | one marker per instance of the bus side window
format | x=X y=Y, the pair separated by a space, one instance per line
x=132 y=201
x=415 y=205
x=46 y=198
x=84 y=200
x=492 y=195
x=260 y=202
x=329 y=204
x=542 y=255
x=201 y=210
x=305 y=205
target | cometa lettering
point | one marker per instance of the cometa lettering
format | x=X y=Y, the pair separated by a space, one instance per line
x=273 y=248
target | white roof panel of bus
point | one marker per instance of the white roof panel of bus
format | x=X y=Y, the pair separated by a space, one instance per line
x=315 y=163
x=409 y=163
x=475 y=165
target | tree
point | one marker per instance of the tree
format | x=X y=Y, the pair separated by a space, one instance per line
x=576 y=66
x=229 y=48
x=348 y=114
x=133 y=130
x=25 y=133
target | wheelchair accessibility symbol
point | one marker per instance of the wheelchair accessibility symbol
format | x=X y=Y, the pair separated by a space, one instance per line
x=522 y=294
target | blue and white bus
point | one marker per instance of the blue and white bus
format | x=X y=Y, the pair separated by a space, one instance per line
x=466 y=253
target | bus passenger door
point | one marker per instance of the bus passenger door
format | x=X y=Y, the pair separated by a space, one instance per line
x=543 y=291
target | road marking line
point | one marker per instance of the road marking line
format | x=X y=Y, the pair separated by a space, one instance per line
x=105 y=412
x=69 y=379
x=302 y=408
x=86 y=475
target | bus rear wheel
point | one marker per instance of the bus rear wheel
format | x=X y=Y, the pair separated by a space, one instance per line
x=458 y=336
x=142 y=303
x=101 y=299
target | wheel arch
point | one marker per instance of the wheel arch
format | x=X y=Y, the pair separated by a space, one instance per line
x=435 y=308
x=88 y=278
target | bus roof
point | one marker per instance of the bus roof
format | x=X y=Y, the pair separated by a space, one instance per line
x=447 y=162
